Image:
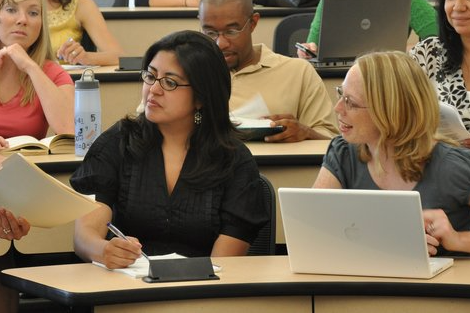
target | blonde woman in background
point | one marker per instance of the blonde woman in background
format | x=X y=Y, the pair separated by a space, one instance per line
x=35 y=93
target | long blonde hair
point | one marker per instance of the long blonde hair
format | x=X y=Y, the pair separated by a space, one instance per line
x=404 y=107
x=40 y=51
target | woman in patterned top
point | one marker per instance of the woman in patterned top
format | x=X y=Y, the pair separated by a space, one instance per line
x=68 y=19
x=446 y=59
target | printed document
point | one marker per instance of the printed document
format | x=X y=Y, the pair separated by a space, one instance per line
x=42 y=200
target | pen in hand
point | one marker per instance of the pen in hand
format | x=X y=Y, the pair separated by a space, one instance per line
x=119 y=234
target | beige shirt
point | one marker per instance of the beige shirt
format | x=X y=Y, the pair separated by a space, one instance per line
x=287 y=85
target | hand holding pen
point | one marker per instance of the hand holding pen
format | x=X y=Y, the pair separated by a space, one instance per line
x=119 y=234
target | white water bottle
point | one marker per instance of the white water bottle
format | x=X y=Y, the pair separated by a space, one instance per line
x=87 y=112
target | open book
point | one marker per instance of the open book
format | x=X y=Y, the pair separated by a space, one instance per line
x=451 y=124
x=42 y=200
x=28 y=145
x=255 y=129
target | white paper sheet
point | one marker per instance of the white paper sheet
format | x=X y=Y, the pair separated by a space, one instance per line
x=451 y=124
x=42 y=200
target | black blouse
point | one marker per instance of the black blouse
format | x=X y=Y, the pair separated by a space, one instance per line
x=186 y=222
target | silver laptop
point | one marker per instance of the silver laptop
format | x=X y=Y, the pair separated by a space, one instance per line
x=350 y=28
x=357 y=232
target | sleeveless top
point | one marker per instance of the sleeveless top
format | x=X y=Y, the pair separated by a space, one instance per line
x=63 y=25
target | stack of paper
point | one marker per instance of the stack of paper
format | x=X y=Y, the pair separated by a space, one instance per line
x=42 y=200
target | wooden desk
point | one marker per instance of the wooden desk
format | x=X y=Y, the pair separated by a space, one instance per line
x=136 y=29
x=4 y=246
x=252 y=284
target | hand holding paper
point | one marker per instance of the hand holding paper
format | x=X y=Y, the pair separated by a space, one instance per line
x=42 y=200
x=12 y=227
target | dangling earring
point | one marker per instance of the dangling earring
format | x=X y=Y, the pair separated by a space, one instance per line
x=198 y=117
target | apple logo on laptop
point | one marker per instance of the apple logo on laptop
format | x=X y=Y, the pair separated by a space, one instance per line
x=365 y=24
x=352 y=232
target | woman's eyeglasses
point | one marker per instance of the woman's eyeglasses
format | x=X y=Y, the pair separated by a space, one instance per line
x=166 y=83
x=349 y=104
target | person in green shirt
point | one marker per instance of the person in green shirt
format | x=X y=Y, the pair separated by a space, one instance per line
x=423 y=21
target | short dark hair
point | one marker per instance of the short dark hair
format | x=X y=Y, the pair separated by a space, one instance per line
x=451 y=41
x=214 y=139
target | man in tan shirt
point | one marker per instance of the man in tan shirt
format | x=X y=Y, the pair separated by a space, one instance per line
x=291 y=88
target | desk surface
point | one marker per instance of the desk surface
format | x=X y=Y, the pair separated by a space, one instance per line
x=111 y=74
x=112 y=13
x=87 y=284
x=108 y=74
x=308 y=152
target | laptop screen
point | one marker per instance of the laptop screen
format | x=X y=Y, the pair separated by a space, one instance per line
x=350 y=28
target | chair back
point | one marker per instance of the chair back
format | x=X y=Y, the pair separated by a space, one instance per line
x=291 y=29
x=265 y=242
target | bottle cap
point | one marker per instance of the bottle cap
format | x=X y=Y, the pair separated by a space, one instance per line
x=87 y=81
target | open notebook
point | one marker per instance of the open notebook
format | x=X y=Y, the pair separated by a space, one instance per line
x=349 y=29
x=357 y=232
x=140 y=268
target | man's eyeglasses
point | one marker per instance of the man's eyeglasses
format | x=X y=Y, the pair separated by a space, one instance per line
x=166 y=83
x=349 y=104
x=230 y=33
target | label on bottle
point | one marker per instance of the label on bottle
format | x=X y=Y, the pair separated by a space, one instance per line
x=87 y=129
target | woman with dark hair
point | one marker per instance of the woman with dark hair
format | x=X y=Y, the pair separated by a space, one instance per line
x=446 y=59
x=175 y=176
x=68 y=20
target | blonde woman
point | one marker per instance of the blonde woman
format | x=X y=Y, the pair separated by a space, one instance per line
x=35 y=94
x=388 y=116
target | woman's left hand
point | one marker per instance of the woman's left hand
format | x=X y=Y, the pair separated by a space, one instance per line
x=12 y=227
x=438 y=226
x=72 y=52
